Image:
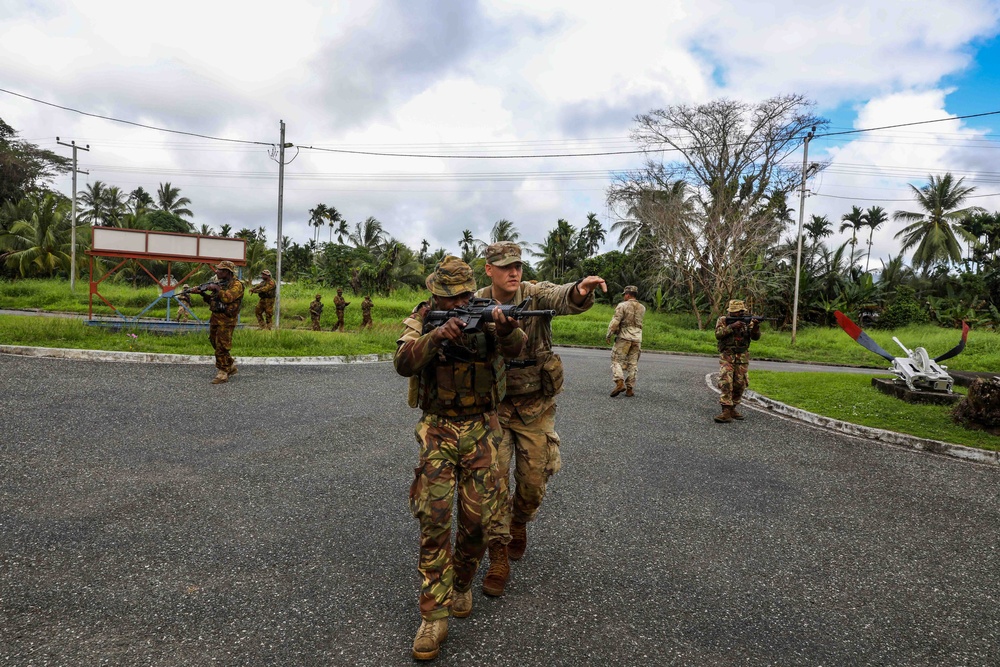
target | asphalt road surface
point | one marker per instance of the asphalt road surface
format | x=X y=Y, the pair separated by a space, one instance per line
x=150 y=518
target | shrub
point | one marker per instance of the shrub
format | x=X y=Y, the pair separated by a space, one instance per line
x=903 y=310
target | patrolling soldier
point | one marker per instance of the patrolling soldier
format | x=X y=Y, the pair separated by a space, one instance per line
x=265 y=307
x=528 y=413
x=224 y=299
x=183 y=305
x=366 y=312
x=340 y=305
x=734 y=359
x=457 y=381
x=315 y=310
x=626 y=325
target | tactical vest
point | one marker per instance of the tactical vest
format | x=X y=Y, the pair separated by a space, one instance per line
x=230 y=310
x=464 y=380
x=737 y=341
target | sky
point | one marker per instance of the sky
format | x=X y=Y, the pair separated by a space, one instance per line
x=499 y=83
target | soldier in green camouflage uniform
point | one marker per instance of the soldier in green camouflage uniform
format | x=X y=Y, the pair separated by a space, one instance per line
x=340 y=305
x=528 y=413
x=366 y=312
x=734 y=359
x=183 y=305
x=265 y=307
x=315 y=310
x=626 y=326
x=457 y=380
x=224 y=299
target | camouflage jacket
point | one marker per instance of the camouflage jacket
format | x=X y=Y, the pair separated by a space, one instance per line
x=340 y=304
x=467 y=379
x=627 y=322
x=366 y=308
x=538 y=349
x=225 y=304
x=316 y=308
x=265 y=289
x=731 y=340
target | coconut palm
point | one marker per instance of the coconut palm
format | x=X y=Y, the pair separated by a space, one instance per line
x=591 y=236
x=873 y=219
x=368 y=235
x=333 y=219
x=317 y=218
x=92 y=203
x=39 y=244
x=504 y=230
x=468 y=245
x=818 y=227
x=854 y=221
x=140 y=201
x=342 y=231
x=168 y=198
x=932 y=232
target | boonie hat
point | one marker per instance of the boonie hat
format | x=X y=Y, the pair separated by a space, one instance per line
x=736 y=305
x=265 y=272
x=451 y=277
x=503 y=253
x=229 y=266
x=631 y=289
x=319 y=296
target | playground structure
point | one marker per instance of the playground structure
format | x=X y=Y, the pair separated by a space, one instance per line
x=147 y=246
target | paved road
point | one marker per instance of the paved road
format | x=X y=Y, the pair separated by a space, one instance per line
x=150 y=518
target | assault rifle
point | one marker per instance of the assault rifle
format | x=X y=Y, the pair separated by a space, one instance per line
x=479 y=312
x=211 y=285
x=749 y=319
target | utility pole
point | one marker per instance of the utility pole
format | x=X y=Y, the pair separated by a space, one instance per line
x=802 y=209
x=72 y=242
x=281 y=198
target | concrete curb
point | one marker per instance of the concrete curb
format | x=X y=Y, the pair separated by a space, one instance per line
x=149 y=357
x=765 y=404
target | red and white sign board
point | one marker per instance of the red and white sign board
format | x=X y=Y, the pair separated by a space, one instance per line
x=142 y=244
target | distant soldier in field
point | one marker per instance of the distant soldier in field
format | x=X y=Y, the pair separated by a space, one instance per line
x=734 y=359
x=183 y=305
x=265 y=307
x=366 y=312
x=340 y=305
x=224 y=298
x=626 y=326
x=315 y=310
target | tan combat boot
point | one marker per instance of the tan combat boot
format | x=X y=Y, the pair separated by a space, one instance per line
x=736 y=415
x=725 y=416
x=518 y=540
x=619 y=388
x=232 y=370
x=220 y=377
x=429 y=638
x=496 y=577
x=629 y=391
x=461 y=603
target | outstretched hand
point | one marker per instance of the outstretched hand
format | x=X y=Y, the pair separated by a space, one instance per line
x=588 y=284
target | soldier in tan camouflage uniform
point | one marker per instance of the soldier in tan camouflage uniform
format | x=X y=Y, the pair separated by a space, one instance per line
x=366 y=313
x=265 y=307
x=528 y=413
x=457 y=380
x=734 y=359
x=627 y=326
x=340 y=305
x=224 y=299
x=315 y=310
x=183 y=305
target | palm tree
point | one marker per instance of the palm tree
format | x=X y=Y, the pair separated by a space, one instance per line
x=468 y=245
x=206 y=230
x=368 y=235
x=591 y=236
x=504 y=230
x=342 y=231
x=932 y=231
x=317 y=218
x=92 y=202
x=225 y=231
x=557 y=251
x=140 y=201
x=854 y=221
x=818 y=227
x=333 y=218
x=39 y=244
x=168 y=199
x=873 y=219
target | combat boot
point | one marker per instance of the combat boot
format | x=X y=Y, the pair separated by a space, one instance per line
x=496 y=577
x=429 y=638
x=619 y=388
x=220 y=377
x=518 y=540
x=232 y=370
x=725 y=416
x=461 y=603
x=629 y=391
x=736 y=415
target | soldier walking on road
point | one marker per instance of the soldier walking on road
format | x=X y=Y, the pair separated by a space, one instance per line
x=734 y=359
x=366 y=312
x=224 y=298
x=627 y=326
x=340 y=305
x=457 y=380
x=528 y=413
x=265 y=307
x=315 y=310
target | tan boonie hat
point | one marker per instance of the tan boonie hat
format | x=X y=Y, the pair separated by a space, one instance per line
x=229 y=266
x=736 y=305
x=451 y=277
x=265 y=272
x=631 y=289
x=503 y=253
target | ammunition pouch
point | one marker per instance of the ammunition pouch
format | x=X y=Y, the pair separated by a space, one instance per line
x=551 y=373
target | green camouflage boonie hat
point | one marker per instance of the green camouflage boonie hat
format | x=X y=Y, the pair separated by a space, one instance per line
x=631 y=289
x=229 y=266
x=451 y=277
x=736 y=305
x=503 y=253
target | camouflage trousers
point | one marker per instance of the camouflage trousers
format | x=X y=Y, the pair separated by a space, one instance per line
x=183 y=313
x=625 y=361
x=534 y=448
x=221 y=338
x=315 y=322
x=457 y=457
x=339 y=326
x=733 y=376
x=264 y=312
x=366 y=321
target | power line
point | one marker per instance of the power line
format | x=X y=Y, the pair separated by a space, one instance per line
x=478 y=157
x=919 y=122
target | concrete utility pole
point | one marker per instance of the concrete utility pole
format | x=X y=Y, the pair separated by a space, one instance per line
x=802 y=209
x=72 y=242
x=281 y=198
